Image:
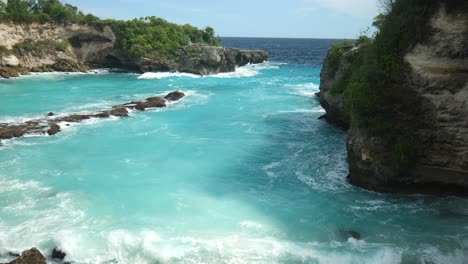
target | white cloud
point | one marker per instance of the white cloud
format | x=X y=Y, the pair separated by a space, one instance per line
x=355 y=8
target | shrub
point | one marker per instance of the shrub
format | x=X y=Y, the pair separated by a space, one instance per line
x=63 y=45
x=335 y=54
x=4 y=51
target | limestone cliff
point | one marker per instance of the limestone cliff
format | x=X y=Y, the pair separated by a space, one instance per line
x=77 y=47
x=435 y=85
x=334 y=103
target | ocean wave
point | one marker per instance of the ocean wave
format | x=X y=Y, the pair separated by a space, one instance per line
x=312 y=110
x=249 y=70
x=163 y=75
x=303 y=89
x=147 y=246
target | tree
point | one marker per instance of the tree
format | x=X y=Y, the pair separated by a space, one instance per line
x=18 y=10
x=386 y=5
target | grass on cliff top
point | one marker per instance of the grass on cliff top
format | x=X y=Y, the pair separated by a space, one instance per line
x=149 y=36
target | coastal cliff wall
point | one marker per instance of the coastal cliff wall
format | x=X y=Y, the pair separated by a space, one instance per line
x=427 y=122
x=78 y=47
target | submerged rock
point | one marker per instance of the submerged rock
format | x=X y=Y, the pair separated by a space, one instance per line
x=50 y=114
x=31 y=256
x=174 y=96
x=58 y=254
x=346 y=234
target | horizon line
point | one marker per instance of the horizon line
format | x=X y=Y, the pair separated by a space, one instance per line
x=318 y=38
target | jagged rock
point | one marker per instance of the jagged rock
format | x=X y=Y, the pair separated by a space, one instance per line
x=73 y=118
x=432 y=114
x=54 y=129
x=65 y=65
x=8 y=131
x=31 y=256
x=97 y=47
x=149 y=103
x=50 y=114
x=58 y=254
x=174 y=96
x=334 y=104
x=120 y=112
x=9 y=72
x=50 y=126
x=104 y=114
x=204 y=60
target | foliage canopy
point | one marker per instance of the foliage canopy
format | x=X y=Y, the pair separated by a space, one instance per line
x=149 y=36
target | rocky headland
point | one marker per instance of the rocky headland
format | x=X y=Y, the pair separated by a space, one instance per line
x=420 y=142
x=39 y=47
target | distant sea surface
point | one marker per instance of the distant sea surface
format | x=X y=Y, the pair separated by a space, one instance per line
x=239 y=171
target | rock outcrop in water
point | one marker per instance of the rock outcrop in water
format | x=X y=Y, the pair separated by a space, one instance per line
x=31 y=256
x=45 y=47
x=432 y=113
x=51 y=124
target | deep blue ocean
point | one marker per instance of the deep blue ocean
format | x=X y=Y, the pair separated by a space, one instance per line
x=239 y=171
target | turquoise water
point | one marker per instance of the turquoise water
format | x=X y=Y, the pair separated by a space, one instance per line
x=239 y=171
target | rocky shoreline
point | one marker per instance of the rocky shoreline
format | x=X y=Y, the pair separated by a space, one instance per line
x=46 y=48
x=52 y=125
x=435 y=125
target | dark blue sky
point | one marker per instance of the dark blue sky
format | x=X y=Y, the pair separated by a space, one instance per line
x=249 y=18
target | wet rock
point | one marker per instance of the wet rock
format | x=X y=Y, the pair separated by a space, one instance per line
x=51 y=127
x=150 y=102
x=8 y=131
x=120 y=112
x=174 y=96
x=58 y=254
x=204 y=60
x=346 y=234
x=104 y=114
x=9 y=72
x=31 y=256
x=54 y=129
x=74 y=118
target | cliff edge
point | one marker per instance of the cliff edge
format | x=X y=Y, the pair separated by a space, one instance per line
x=407 y=114
x=48 y=47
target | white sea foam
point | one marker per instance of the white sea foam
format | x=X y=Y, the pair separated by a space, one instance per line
x=163 y=75
x=149 y=247
x=312 y=110
x=248 y=70
x=304 y=89
x=250 y=224
x=87 y=108
x=269 y=167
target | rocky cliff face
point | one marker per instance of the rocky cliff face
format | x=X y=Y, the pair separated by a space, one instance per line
x=52 y=47
x=334 y=103
x=437 y=84
x=204 y=60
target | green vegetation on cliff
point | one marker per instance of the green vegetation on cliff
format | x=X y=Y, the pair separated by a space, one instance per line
x=149 y=36
x=375 y=98
x=155 y=36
